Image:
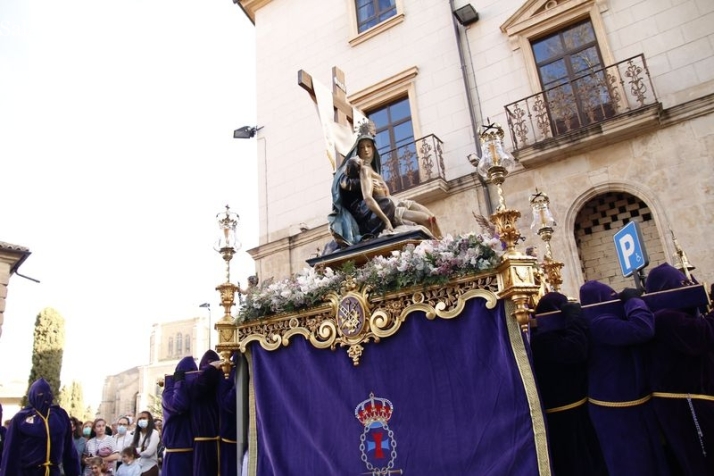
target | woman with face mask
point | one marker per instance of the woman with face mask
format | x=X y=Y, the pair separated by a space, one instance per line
x=146 y=442
x=122 y=437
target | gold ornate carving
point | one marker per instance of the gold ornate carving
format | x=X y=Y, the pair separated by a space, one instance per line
x=354 y=317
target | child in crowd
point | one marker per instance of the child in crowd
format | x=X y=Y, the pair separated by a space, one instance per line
x=97 y=466
x=129 y=464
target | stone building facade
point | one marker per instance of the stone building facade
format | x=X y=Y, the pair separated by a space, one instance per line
x=608 y=105
x=136 y=389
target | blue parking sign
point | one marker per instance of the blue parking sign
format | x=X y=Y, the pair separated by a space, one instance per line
x=631 y=252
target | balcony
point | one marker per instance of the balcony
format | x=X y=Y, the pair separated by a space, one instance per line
x=416 y=168
x=609 y=103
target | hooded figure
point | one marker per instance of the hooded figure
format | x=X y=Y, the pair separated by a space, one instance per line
x=559 y=344
x=203 y=390
x=40 y=438
x=682 y=375
x=177 y=435
x=351 y=219
x=227 y=401
x=619 y=393
x=3 y=432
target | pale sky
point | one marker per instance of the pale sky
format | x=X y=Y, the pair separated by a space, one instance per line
x=116 y=153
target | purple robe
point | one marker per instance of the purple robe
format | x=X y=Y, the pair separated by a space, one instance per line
x=228 y=426
x=617 y=373
x=40 y=438
x=177 y=435
x=3 y=433
x=683 y=364
x=203 y=391
x=559 y=346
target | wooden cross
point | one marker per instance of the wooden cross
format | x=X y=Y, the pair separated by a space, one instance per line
x=343 y=109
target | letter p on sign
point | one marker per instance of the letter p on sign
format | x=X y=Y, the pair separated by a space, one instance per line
x=630 y=248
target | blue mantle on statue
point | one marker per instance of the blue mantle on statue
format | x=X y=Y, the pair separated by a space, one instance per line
x=440 y=397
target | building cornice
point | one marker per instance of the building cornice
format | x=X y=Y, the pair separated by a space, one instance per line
x=251 y=6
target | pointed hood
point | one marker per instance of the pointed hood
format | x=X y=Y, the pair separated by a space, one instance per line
x=551 y=302
x=208 y=357
x=187 y=364
x=593 y=292
x=664 y=277
x=40 y=396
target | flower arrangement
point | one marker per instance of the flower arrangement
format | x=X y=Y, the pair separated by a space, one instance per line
x=430 y=262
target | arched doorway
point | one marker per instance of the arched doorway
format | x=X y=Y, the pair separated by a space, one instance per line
x=596 y=223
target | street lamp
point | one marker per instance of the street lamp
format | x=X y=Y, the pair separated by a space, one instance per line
x=207 y=305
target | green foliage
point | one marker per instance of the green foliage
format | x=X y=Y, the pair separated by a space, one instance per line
x=155 y=405
x=47 y=350
x=72 y=400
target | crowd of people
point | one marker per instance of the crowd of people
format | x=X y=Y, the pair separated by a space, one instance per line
x=627 y=391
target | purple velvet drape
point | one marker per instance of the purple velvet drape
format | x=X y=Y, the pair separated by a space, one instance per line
x=458 y=403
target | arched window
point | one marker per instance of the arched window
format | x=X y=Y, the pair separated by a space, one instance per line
x=171 y=346
x=179 y=346
x=187 y=343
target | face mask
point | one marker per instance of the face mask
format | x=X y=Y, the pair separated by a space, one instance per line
x=86 y=431
x=121 y=429
x=143 y=423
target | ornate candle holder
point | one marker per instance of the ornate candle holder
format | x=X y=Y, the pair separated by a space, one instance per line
x=226 y=245
x=516 y=272
x=544 y=225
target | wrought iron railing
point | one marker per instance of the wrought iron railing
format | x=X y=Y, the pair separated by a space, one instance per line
x=596 y=96
x=413 y=163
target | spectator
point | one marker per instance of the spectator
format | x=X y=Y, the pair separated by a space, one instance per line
x=97 y=466
x=101 y=445
x=79 y=441
x=146 y=441
x=130 y=464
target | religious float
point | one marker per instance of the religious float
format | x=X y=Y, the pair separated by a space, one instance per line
x=397 y=359
x=403 y=354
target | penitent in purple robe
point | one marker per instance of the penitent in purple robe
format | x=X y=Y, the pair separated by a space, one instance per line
x=3 y=433
x=618 y=375
x=682 y=376
x=228 y=425
x=204 y=416
x=559 y=345
x=177 y=435
x=40 y=438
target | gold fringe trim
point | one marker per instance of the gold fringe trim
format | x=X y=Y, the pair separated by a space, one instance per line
x=529 y=385
x=631 y=403
x=252 y=430
x=178 y=450
x=569 y=406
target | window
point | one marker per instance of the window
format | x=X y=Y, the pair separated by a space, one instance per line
x=570 y=70
x=372 y=12
x=179 y=347
x=171 y=346
x=187 y=343
x=369 y=18
x=396 y=146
